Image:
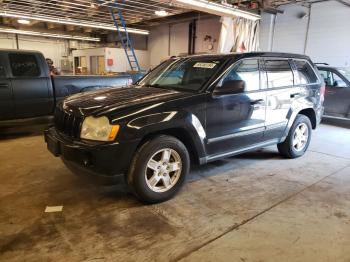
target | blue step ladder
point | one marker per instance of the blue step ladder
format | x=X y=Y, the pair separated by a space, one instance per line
x=123 y=35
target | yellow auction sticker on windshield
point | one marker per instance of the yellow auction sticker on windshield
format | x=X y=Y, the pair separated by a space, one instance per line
x=204 y=65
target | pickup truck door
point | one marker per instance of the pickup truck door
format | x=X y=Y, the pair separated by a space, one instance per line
x=30 y=84
x=236 y=121
x=337 y=96
x=6 y=98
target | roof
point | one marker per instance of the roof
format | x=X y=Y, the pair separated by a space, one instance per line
x=326 y=66
x=250 y=54
x=19 y=51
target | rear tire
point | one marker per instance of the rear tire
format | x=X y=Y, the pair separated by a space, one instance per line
x=158 y=169
x=298 y=139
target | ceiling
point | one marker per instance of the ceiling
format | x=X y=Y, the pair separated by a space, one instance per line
x=134 y=11
x=137 y=13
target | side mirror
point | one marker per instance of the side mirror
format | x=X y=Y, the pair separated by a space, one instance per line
x=230 y=87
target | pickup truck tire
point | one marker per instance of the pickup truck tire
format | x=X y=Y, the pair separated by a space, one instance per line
x=298 y=139
x=158 y=169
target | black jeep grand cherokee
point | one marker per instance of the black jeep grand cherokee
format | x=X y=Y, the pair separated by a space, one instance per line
x=200 y=108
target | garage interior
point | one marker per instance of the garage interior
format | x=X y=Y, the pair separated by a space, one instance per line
x=257 y=206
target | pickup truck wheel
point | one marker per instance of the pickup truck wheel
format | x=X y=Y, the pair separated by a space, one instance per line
x=298 y=139
x=158 y=169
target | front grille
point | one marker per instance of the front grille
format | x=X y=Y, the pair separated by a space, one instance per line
x=67 y=123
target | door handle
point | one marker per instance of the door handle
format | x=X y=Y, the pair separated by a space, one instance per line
x=3 y=85
x=294 y=95
x=258 y=101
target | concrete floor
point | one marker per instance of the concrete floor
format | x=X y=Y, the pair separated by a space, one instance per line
x=254 y=207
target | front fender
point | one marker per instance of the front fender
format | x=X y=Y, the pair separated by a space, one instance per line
x=172 y=120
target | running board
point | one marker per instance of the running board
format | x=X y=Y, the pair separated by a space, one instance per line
x=336 y=117
x=239 y=151
x=26 y=121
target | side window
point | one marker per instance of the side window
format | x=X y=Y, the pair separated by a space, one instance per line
x=337 y=81
x=2 y=72
x=306 y=74
x=332 y=79
x=24 y=65
x=279 y=73
x=327 y=76
x=247 y=71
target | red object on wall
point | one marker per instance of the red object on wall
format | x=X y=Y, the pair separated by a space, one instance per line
x=110 y=61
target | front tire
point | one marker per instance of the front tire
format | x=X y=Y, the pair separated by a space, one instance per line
x=298 y=139
x=158 y=169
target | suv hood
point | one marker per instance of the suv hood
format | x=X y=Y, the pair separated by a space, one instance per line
x=116 y=99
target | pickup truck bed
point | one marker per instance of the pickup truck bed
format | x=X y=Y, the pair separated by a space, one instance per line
x=67 y=85
x=28 y=91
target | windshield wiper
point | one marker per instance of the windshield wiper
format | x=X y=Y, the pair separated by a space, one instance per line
x=154 y=85
x=166 y=87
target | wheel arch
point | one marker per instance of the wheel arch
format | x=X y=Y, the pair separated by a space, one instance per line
x=179 y=133
x=183 y=125
x=310 y=113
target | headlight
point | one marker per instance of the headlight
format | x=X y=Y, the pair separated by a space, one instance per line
x=98 y=129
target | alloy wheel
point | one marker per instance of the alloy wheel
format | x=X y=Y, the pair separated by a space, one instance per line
x=163 y=170
x=300 y=137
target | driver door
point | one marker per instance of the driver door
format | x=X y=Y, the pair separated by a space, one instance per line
x=7 y=107
x=236 y=121
x=337 y=95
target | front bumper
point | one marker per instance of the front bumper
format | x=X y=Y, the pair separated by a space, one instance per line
x=107 y=162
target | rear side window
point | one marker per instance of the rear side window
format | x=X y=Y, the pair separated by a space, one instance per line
x=24 y=65
x=2 y=72
x=248 y=71
x=338 y=82
x=279 y=73
x=305 y=72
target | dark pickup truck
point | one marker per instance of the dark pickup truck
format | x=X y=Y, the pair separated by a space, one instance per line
x=28 y=91
x=197 y=108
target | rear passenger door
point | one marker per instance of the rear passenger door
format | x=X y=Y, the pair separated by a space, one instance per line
x=6 y=99
x=30 y=85
x=280 y=95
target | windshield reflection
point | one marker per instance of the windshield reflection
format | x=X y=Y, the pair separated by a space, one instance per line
x=189 y=74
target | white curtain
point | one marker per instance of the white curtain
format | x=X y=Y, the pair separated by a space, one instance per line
x=226 y=38
x=238 y=35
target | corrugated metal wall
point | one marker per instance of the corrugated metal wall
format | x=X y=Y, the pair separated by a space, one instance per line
x=322 y=32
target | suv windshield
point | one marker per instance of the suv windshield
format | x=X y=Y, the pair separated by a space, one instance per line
x=188 y=74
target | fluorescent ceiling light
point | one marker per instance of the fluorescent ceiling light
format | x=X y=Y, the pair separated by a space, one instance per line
x=215 y=8
x=161 y=13
x=43 y=34
x=23 y=21
x=72 y=22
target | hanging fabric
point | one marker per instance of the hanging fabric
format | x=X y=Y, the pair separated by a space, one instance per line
x=227 y=37
x=238 y=35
